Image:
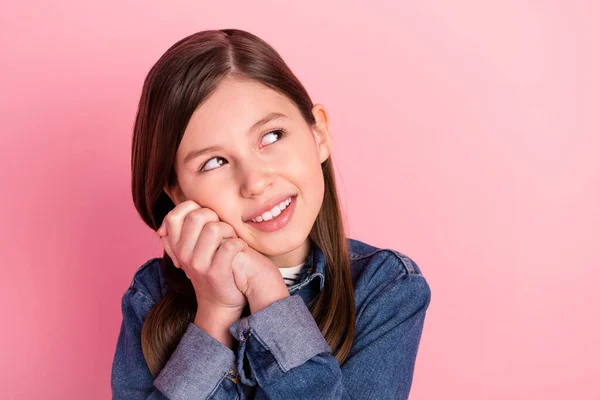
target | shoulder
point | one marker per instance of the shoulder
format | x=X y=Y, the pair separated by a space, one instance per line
x=385 y=272
x=361 y=253
x=146 y=288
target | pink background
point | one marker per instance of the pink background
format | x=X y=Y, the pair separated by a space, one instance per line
x=466 y=135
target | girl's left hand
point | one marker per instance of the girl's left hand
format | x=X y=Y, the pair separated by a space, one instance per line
x=258 y=278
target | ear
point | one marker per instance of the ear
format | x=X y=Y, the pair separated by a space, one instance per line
x=174 y=194
x=321 y=132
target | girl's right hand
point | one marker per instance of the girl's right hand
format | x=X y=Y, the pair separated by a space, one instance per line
x=204 y=247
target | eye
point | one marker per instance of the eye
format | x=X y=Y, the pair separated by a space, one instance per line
x=281 y=132
x=203 y=168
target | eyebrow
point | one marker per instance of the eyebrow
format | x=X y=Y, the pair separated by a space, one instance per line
x=267 y=118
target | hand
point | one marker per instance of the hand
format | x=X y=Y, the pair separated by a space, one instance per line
x=258 y=278
x=204 y=247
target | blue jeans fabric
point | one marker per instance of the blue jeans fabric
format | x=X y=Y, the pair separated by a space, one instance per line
x=281 y=353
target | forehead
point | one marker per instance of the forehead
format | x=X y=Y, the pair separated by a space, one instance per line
x=235 y=106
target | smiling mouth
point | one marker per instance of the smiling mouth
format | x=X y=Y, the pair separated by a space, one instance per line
x=276 y=222
x=273 y=213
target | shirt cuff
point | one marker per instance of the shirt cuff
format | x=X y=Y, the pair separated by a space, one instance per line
x=196 y=367
x=287 y=329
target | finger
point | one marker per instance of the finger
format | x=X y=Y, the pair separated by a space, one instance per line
x=221 y=265
x=193 y=225
x=172 y=222
x=169 y=251
x=212 y=236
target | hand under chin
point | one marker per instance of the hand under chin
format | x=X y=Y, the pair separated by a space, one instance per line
x=258 y=278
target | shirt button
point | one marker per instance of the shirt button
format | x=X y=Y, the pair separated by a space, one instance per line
x=246 y=335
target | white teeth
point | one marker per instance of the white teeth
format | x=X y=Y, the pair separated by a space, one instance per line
x=274 y=212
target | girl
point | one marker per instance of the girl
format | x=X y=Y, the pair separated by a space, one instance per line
x=259 y=293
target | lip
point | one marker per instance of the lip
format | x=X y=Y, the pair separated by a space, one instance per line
x=279 y=222
x=269 y=206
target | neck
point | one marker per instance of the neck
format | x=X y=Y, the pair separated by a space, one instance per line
x=294 y=257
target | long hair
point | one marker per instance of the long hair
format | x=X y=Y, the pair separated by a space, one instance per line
x=181 y=80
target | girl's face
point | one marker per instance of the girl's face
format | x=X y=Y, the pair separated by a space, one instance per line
x=246 y=167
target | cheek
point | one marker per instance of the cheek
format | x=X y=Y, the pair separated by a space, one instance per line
x=222 y=204
x=318 y=184
x=301 y=157
x=310 y=178
x=302 y=160
x=229 y=215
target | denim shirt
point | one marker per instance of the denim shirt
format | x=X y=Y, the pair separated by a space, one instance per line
x=281 y=353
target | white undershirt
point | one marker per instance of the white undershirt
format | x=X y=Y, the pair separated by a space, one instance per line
x=290 y=274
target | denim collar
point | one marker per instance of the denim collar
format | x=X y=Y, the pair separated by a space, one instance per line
x=314 y=269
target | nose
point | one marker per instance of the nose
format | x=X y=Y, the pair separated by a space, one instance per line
x=256 y=178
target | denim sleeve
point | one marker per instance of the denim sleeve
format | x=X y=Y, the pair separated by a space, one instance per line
x=287 y=356
x=199 y=368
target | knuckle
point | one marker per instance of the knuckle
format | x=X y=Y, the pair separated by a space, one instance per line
x=196 y=217
x=211 y=214
x=228 y=228
x=230 y=245
x=202 y=215
x=197 y=265
x=239 y=242
x=187 y=205
x=183 y=261
x=212 y=228
x=206 y=212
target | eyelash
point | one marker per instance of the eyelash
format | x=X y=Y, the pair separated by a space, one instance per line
x=282 y=131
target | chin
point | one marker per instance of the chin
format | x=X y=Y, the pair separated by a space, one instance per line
x=274 y=247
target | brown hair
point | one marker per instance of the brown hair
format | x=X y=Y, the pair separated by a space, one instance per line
x=184 y=77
